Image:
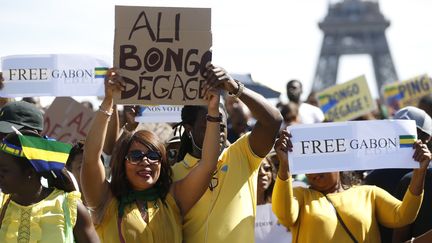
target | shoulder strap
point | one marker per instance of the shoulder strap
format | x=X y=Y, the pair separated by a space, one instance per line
x=342 y=222
x=69 y=237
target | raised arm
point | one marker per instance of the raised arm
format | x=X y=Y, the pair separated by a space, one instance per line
x=189 y=190
x=93 y=181
x=268 y=117
x=394 y=213
x=284 y=205
x=112 y=132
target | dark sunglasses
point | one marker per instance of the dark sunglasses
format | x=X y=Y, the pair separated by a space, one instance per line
x=136 y=156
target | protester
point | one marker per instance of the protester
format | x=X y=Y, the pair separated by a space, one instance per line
x=21 y=115
x=141 y=204
x=388 y=179
x=329 y=212
x=238 y=124
x=31 y=212
x=290 y=114
x=226 y=212
x=267 y=228
x=308 y=113
x=423 y=222
x=425 y=104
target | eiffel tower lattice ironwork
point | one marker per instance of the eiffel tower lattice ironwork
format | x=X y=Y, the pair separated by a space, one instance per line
x=354 y=27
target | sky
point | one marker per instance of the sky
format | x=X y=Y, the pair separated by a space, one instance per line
x=274 y=40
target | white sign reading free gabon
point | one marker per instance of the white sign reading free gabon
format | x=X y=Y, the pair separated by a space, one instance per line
x=352 y=145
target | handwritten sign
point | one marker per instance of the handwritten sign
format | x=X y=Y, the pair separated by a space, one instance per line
x=53 y=75
x=408 y=92
x=162 y=53
x=352 y=145
x=67 y=120
x=346 y=101
x=159 y=113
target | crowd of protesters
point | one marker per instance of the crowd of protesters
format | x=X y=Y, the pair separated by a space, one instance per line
x=220 y=175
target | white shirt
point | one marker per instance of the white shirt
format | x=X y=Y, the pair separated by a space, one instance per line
x=310 y=114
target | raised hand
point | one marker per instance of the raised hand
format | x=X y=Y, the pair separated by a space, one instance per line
x=130 y=112
x=113 y=83
x=422 y=154
x=218 y=78
x=282 y=146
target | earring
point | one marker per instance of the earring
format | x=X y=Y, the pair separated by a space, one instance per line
x=29 y=177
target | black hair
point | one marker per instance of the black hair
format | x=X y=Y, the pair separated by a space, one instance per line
x=60 y=180
x=189 y=116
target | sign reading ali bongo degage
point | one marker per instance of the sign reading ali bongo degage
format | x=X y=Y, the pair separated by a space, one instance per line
x=162 y=54
x=352 y=145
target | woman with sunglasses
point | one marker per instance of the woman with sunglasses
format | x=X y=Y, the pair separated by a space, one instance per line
x=141 y=203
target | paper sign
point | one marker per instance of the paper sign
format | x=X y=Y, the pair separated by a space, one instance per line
x=159 y=113
x=267 y=227
x=408 y=92
x=67 y=120
x=162 y=54
x=53 y=75
x=346 y=101
x=352 y=145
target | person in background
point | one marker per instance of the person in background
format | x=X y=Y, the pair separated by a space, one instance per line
x=226 y=212
x=267 y=227
x=1 y=81
x=423 y=222
x=425 y=104
x=238 y=124
x=141 y=203
x=328 y=211
x=308 y=113
x=22 y=116
x=29 y=211
x=290 y=114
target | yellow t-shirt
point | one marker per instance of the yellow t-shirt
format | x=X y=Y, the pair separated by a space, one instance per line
x=164 y=223
x=42 y=222
x=226 y=213
x=312 y=218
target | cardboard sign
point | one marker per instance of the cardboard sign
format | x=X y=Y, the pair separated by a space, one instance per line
x=53 y=75
x=159 y=113
x=346 y=101
x=408 y=92
x=162 y=54
x=67 y=120
x=352 y=145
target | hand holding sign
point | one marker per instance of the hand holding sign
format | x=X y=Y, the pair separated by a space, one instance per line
x=422 y=154
x=113 y=83
x=217 y=77
x=282 y=146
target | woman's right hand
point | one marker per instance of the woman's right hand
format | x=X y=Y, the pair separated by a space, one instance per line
x=282 y=146
x=113 y=83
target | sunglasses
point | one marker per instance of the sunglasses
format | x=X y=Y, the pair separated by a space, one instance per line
x=136 y=156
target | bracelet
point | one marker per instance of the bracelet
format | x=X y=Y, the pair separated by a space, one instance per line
x=214 y=119
x=105 y=112
x=239 y=89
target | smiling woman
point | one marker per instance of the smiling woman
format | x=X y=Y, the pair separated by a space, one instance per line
x=141 y=203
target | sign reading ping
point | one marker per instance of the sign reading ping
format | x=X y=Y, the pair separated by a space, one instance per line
x=162 y=54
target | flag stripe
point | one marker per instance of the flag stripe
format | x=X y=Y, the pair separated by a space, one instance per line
x=42 y=165
x=407 y=137
x=99 y=76
x=405 y=145
x=43 y=144
x=40 y=154
x=100 y=72
x=406 y=141
x=101 y=69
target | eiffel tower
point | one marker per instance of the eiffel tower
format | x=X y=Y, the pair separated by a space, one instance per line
x=354 y=27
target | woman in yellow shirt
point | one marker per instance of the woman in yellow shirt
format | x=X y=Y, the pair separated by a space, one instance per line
x=141 y=203
x=30 y=212
x=328 y=212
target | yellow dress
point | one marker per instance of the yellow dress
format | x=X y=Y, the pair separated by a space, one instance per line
x=42 y=222
x=164 y=223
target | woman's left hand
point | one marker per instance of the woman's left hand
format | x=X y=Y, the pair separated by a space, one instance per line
x=422 y=154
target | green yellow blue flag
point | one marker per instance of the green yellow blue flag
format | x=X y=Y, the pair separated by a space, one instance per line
x=100 y=72
x=406 y=141
x=44 y=154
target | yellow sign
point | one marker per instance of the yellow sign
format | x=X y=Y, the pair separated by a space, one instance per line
x=408 y=92
x=346 y=101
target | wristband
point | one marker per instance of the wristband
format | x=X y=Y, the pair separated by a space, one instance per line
x=105 y=112
x=239 y=89
x=213 y=118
